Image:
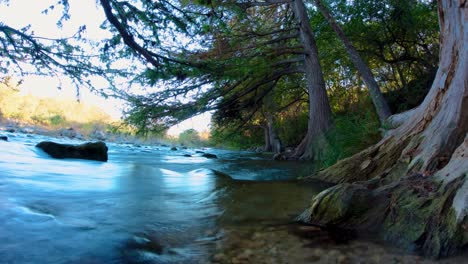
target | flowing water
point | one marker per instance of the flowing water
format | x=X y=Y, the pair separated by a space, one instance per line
x=147 y=204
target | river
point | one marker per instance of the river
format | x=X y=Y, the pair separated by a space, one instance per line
x=149 y=204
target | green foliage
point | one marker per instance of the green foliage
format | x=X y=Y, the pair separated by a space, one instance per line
x=25 y=53
x=291 y=128
x=398 y=39
x=57 y=120
x=353 y=132
x=232 y=137
x=411 y=95
x=243 y=62
x=189 y=137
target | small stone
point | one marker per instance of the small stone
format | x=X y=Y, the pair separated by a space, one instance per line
x=273 y=251
x=258 y=243
x=236 y=261
x=173 y=148
x=219 y=257
x=317 y=252
x=246 y=254
x=257 y=235
x=334 y=253
x=342 y=259
x=309 y=228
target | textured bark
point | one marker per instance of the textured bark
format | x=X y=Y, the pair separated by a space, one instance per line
x=397 y=120
x=381 y=106
x=319 y=107
x=417 y=176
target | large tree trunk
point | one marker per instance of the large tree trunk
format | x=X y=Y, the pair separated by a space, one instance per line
x=319 y=108
x=412 y=187
x=381 y=106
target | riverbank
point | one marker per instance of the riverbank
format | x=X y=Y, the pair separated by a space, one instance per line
x=98 y=133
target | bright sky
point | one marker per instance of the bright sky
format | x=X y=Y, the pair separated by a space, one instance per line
x=20 y=13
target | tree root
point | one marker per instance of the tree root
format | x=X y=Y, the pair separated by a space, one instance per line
x=414 y=213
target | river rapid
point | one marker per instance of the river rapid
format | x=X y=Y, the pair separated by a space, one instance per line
x=149 y=204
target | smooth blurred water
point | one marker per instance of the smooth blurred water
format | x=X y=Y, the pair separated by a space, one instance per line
x=147 y=204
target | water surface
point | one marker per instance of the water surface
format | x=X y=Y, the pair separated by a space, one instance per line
x=147 y=204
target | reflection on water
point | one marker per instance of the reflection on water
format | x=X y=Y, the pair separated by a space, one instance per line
x=146 y=205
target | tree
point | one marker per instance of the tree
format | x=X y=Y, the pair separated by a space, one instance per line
x=380 y=104
x=399 y=40
x=25 y=53
x=189 y=137
x=412 y=185
x=248 y=72
x=320 y=119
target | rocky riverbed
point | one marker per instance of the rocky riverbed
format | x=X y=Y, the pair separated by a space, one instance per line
x=296 y=244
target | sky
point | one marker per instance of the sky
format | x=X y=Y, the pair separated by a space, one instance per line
x=20 y=13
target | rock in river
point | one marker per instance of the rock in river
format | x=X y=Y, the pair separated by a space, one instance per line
x=209 y=156
x=4 y=138
x=90 y=150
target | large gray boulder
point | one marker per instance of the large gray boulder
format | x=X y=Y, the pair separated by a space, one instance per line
x=91 y=150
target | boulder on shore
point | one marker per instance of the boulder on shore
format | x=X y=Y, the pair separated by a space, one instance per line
x=99 y=135
x=68 y=132
x=91 y=150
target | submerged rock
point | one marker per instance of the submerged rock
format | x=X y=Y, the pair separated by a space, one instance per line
x=174 y=148
x=4 y=138
x=91 y=150
x=280 y=156
x=209 y=156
